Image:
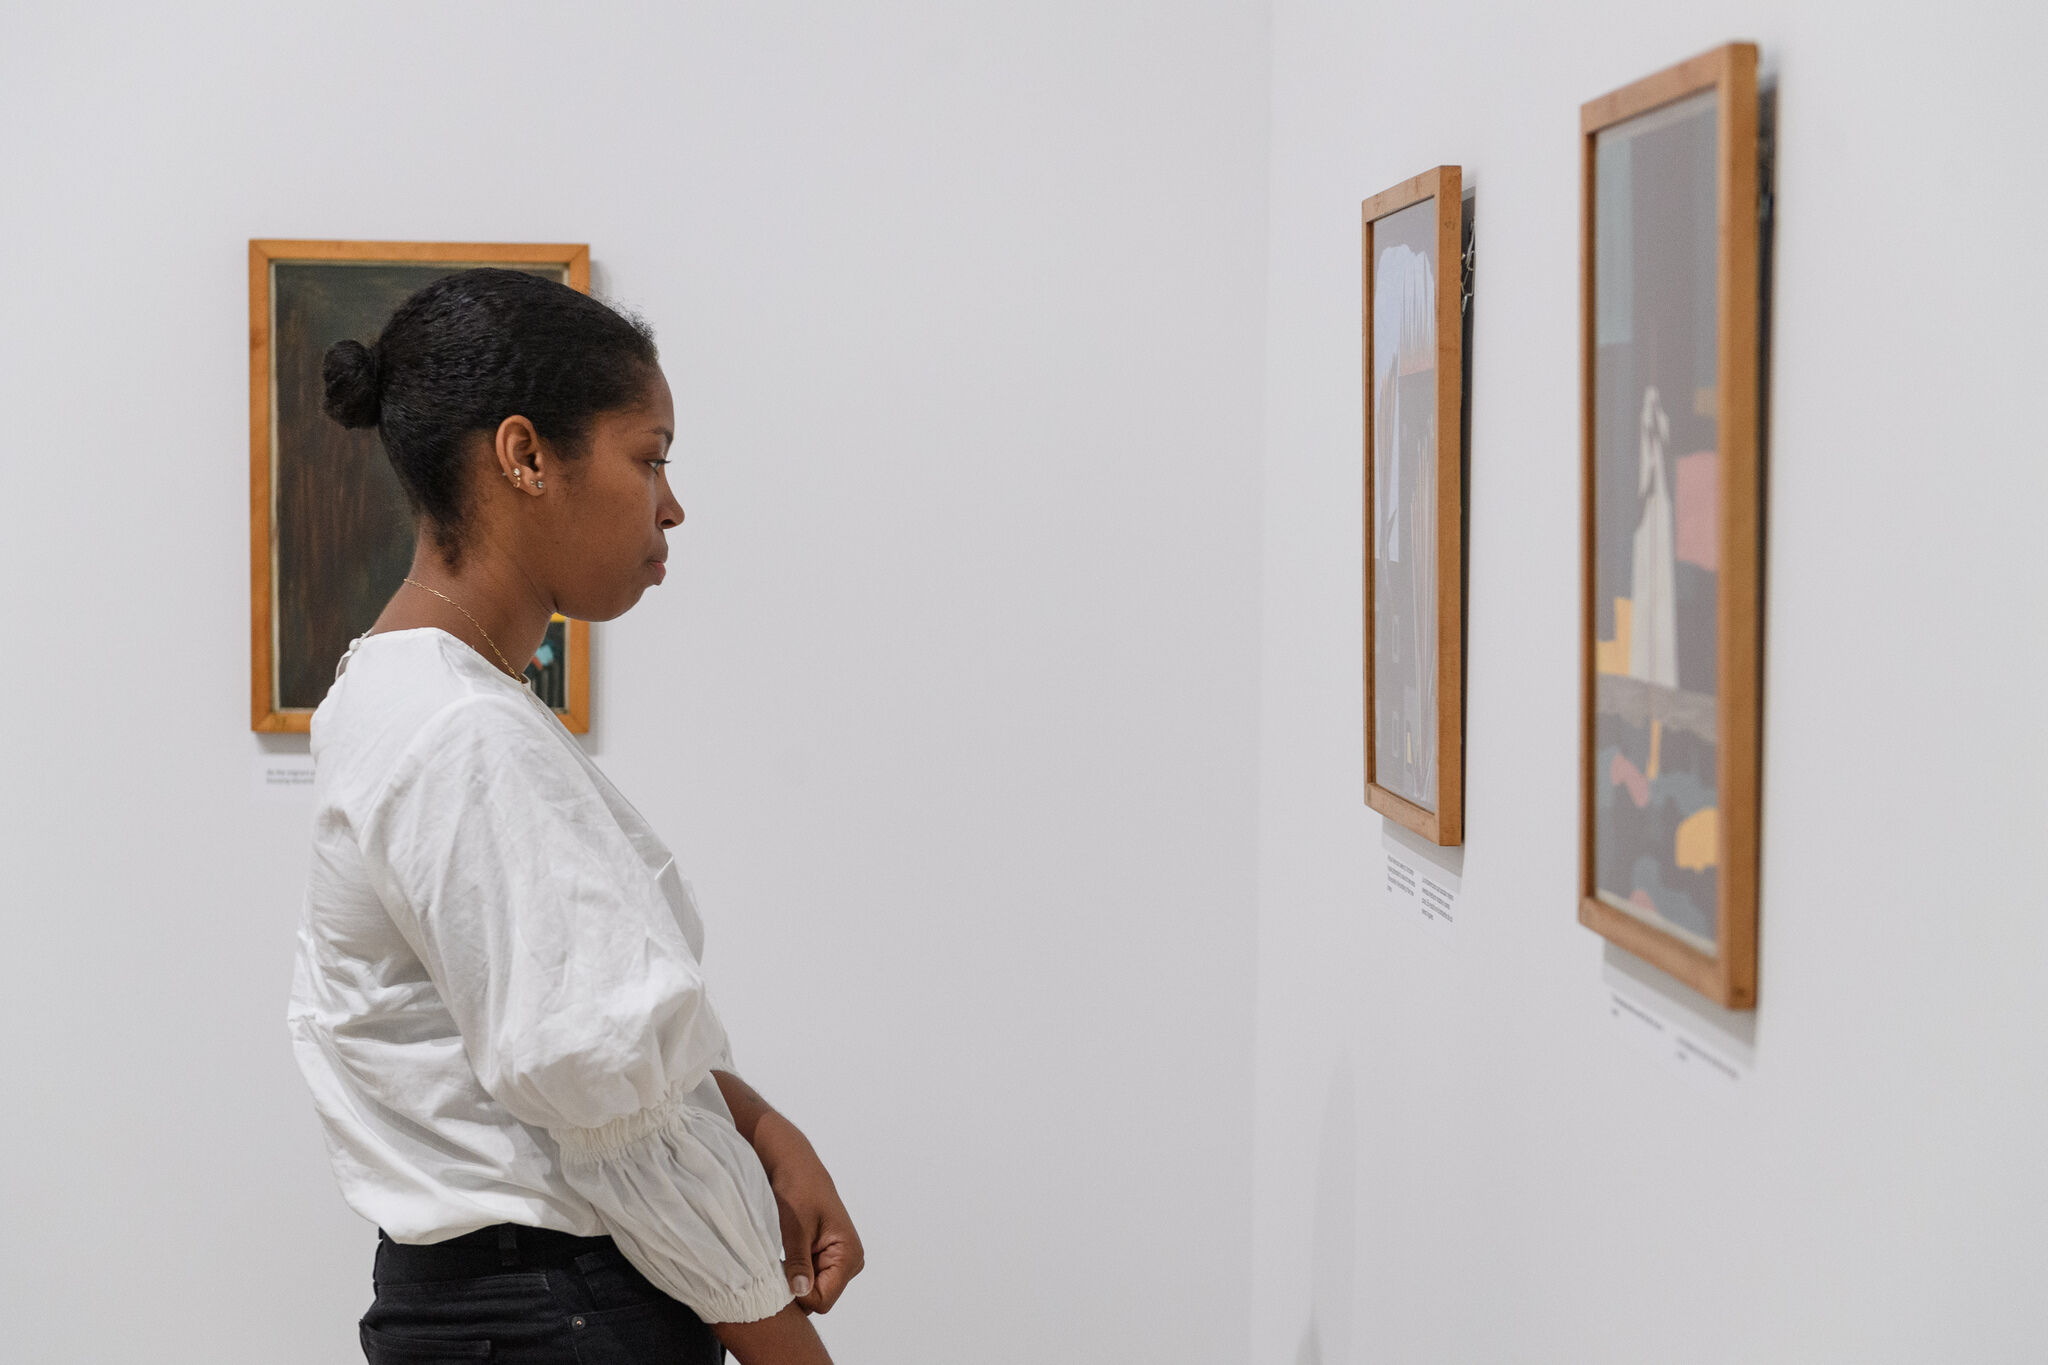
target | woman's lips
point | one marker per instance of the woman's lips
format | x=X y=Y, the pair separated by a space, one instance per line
x=660 y=569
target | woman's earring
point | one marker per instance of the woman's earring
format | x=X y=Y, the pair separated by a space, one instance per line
x=539 y=484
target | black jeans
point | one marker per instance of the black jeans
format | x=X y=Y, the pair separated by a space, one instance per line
x=525 y=1296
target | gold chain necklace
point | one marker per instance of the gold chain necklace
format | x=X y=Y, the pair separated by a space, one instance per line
x=473 y=621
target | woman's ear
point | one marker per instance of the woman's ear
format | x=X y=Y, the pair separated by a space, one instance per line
x=520 y=456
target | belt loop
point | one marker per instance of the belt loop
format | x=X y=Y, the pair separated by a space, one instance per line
x=508 y=1244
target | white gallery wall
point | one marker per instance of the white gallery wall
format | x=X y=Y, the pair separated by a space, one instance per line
x=1462 y=1157
x=1004 y=706
x=948 y=707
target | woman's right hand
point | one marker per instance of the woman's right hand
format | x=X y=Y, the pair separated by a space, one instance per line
x=785 y=1339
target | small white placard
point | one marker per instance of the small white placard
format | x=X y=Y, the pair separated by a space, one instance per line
x=1685 y=1041
x=286 y=779
x=1420 y=891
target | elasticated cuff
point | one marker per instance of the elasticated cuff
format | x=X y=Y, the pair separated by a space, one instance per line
x=686 y=1200
x=588 y=1146
x=764 y=1298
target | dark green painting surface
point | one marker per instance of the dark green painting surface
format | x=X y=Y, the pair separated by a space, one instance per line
x=341 y=526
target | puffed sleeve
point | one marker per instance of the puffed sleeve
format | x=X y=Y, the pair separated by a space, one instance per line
x=581 y=1006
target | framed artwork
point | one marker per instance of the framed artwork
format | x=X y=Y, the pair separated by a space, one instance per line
x=1413 y=345
x=330 y=532
x=1672 y=572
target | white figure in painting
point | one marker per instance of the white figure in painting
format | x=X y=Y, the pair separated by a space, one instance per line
x=1653 y=631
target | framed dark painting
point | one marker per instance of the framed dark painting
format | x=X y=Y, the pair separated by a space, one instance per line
x=330 y=532
x=1413 y=347
x=1672 y=572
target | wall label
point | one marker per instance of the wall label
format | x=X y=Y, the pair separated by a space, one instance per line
x=284 y=779
x=1682 y=1039
x=1419 y=890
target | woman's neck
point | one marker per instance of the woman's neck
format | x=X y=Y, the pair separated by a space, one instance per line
x=487 y=602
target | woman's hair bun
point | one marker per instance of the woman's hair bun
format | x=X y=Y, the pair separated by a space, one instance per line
x=354 y=389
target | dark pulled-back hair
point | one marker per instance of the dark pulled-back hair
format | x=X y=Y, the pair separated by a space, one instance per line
x=466 y=352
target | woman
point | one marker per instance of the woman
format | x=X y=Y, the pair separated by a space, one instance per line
x=498 y=1001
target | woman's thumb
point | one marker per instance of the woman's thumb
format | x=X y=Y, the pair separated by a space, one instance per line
x=796 y=1253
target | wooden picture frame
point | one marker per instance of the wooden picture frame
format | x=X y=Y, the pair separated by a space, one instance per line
x=330 y=534
x=1413 y=378
x=1670 y=665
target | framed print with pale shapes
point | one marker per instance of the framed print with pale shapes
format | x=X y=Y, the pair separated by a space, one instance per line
x=1671 y=483
x=1414 y=378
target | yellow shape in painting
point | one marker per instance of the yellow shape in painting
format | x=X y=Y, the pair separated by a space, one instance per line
x=1656 y=748
x=1699 y=840
x=1611 y=656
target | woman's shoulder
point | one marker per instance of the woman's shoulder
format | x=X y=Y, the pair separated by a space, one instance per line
x=407 y=690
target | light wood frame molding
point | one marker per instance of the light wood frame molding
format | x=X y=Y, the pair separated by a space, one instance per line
x=1729 y=975
x=1444 y=826
x=264 y=254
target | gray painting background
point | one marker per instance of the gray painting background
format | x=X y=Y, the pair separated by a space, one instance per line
x=1656 y=407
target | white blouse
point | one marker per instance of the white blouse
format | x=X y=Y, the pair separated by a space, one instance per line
x=498 y=1001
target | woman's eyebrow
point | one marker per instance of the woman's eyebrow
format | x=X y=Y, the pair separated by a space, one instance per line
x=668 y=438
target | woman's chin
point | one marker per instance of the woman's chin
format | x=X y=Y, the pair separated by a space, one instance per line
x=608 y=609
x=633 y=595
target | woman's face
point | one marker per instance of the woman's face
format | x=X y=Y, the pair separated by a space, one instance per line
x=607 y=536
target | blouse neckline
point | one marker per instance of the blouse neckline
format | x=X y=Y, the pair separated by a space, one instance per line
x=494 y=670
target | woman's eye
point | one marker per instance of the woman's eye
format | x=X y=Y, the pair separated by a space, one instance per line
x=658 y=464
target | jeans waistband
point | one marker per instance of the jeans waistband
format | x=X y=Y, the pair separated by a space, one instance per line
x=493 y=1250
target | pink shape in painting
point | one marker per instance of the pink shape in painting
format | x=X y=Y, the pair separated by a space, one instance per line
x=1699 y=506
x=1623 y=773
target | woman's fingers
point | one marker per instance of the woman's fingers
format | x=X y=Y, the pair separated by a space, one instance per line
x=837 y=1257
